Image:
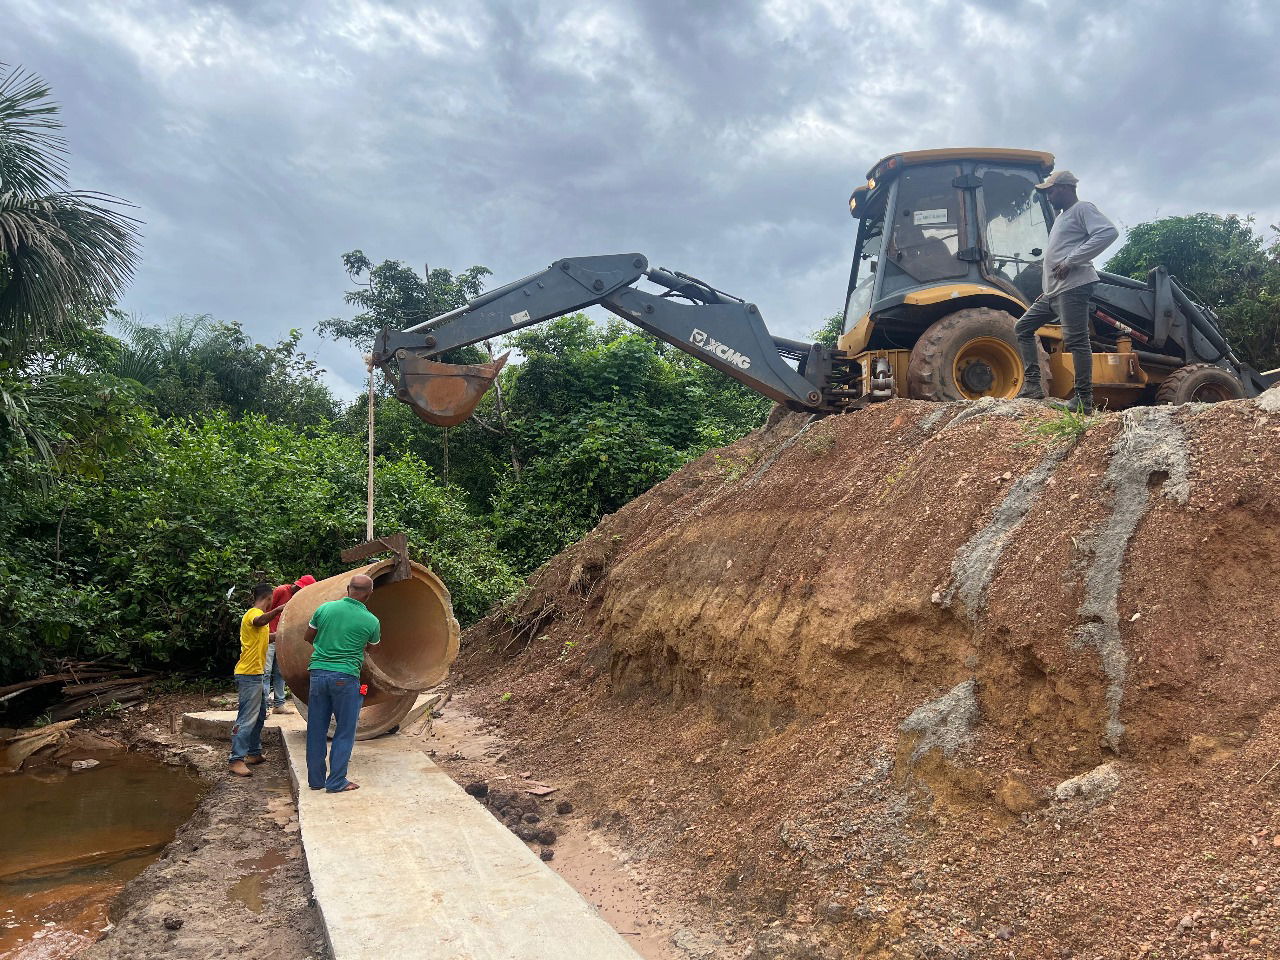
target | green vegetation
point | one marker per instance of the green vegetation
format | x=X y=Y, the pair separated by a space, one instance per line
x=1067 y=427
x=159 y=545
x=147 y=476
x=829 y=332
x=1226 y=265
x=61 y=250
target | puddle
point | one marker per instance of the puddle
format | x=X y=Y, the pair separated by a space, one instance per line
x=69 y=842
x=248 y=889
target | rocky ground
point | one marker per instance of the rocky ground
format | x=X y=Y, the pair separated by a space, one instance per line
x=968 y=680
x=234 y=881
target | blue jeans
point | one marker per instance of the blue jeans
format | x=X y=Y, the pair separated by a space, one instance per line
x=272 y=678
x=246 y=735
x=335 y=695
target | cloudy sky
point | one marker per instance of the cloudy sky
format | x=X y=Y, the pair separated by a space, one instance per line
x=260 y=139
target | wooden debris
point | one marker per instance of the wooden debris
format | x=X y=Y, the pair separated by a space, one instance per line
x=84 y=685
x=15 y=749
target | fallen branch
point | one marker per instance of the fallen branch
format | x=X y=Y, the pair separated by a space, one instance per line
x=1269 y=772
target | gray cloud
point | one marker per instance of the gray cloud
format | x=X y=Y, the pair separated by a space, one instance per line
x=262 y=140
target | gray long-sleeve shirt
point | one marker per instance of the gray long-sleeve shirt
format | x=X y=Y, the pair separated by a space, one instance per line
x=1079 y=234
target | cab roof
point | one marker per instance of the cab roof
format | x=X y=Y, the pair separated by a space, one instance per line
x=1006 y=154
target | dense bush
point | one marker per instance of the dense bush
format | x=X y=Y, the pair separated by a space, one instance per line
x=598 y=416
x=149 y=561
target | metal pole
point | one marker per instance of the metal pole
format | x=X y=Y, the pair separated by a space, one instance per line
x=368 y=526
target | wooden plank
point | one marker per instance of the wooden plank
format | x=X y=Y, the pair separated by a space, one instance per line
x=75 y=690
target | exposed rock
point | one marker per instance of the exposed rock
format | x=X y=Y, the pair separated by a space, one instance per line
x=1150 y=451
x=944 y=724
x=1098 y=783
x=1269 y=400
x=976 y=562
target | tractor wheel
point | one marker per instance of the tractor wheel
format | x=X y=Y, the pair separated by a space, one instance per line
x=966 y=355
x=1199 y=383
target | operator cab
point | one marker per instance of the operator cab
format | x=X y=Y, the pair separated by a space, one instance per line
x=940 y=224
x=938 y=231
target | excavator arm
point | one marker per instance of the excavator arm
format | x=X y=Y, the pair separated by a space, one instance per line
x=716 y=328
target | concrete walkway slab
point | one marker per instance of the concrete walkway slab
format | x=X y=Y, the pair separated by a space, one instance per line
x=411 y=866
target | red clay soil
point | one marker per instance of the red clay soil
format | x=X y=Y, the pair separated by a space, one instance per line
x=832 y=681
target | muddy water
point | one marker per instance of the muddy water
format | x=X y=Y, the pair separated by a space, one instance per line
x=248 y=889
x=69 y=841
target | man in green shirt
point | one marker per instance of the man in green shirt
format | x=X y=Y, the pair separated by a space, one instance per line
x=339 y=631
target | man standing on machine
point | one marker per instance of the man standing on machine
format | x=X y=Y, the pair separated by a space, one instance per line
x=1080 y=232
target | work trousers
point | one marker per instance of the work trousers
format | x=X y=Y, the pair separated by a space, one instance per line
x=335 y=696
x=246 y=735
x=1071 y=309
x=272 y=679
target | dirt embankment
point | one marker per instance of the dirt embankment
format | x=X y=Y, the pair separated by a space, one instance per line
x=927 y=680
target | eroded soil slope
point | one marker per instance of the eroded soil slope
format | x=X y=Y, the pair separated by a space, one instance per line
x=931 y=680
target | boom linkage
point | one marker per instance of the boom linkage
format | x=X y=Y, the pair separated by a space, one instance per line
x=719 y=329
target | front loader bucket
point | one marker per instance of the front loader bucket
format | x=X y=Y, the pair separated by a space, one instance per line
x=445 y=393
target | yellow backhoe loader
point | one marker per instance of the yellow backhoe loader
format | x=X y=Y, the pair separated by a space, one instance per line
x=948 y=254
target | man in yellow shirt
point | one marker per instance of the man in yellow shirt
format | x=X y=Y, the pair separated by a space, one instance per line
x=246 y=735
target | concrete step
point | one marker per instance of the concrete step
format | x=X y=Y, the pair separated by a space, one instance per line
x=217 y=724
x=411 y=866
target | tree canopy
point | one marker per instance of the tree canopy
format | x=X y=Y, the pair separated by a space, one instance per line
x=391 y=294
x=192 y=366
x=147 y=469
x=61 y=250
x=1224 y=263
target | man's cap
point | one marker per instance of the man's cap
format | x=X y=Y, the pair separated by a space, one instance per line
x=1064 y=177
x=305 y=580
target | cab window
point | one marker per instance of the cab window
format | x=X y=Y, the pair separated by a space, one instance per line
x=928 y=221
x=1015 y=227
x=866 y=259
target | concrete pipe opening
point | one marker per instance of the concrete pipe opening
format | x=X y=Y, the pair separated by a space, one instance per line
x=419 y=641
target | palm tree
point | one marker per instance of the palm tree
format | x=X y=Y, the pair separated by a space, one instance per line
x=61 y=251
x=148 y=354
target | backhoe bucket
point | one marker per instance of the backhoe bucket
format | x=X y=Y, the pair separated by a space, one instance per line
x=445 y=393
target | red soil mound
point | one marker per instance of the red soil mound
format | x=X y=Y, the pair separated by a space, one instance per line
x=842 y=674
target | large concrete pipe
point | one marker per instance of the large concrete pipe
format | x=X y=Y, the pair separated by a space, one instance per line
x=419 y=640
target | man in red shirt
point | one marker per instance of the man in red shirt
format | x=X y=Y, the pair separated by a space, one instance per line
x=272 y=681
